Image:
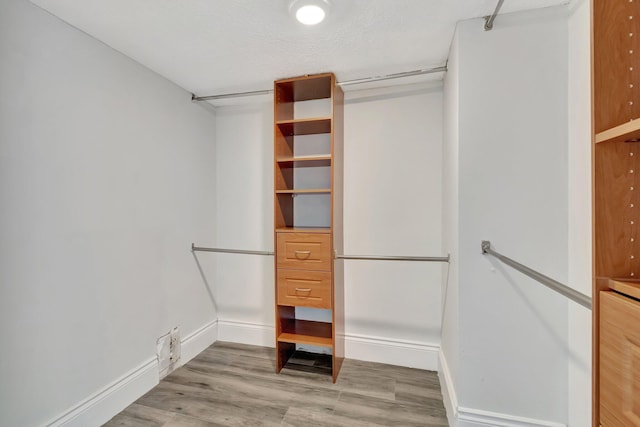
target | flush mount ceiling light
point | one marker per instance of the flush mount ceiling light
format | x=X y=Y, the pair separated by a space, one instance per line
x=309 y=12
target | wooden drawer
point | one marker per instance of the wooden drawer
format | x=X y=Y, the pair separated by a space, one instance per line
x=619 y=360
x=304 y=288
x=305 y=251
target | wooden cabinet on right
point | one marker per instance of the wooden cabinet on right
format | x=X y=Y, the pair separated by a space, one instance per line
x=620 y=360
x=616 y=211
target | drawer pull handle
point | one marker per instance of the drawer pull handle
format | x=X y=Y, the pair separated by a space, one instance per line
x=302 y=254
x=307 y=290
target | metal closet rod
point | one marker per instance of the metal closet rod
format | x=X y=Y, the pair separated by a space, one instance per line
x=441 y=69
x=195 y=248
x=373 y=257
x=488 y=20
x=396 y=258
x=562 y=289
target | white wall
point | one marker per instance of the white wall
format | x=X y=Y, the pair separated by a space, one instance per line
x=579 y=188
x=512 y=154
x=450 y=335
x=392 y=206
x=106 y=177
x=244 y=220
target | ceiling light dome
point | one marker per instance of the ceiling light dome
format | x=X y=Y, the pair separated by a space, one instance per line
x=309 y=12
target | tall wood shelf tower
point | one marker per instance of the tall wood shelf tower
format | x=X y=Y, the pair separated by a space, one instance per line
x=616 y=204
x=308 y=127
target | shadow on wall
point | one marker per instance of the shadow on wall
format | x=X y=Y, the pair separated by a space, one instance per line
x=358 y=98
x=389 y=327
x=562 y=343
x=205 y=282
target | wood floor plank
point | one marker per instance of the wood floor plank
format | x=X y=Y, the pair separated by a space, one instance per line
x=213 y=405
x=298 y=417
x=418 y=395
x=385 y=412
x=372 y=381
x=236 y=385
x=136 y=415
x=184 y=421
x=271 y=391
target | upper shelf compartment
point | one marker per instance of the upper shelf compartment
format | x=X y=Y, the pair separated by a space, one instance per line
x=304 y=89
x=626 y=132
x=305 y=126
x=291 y=94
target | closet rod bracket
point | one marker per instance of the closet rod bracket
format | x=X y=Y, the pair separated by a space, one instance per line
x=488 y=20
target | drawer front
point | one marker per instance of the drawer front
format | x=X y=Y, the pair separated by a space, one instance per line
x=619 y=360
x=306 y=251
x=304 y=288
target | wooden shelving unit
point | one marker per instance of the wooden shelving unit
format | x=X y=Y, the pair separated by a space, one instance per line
x=616 y=211
x=308 y=216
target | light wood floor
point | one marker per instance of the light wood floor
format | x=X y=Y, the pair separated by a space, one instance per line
x=236 y=385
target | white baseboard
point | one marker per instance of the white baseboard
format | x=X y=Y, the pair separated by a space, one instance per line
x=391 y=351
x=246 y=333
x=476 y=417
x=100 y=407
x=197 y=341
x=460 y=416
x=448 y=390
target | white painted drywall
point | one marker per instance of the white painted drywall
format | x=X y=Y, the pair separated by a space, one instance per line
x=512 y=159
x=448 y=367
x=392 y=206
x=244 y=218
x=106 y=177
x=579 y=192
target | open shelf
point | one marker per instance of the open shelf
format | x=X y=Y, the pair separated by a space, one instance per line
x=306 y=332
x=320 y=230
x=627 y=132
x=305 y=126
x=629 y=287
x=305 y=88
x=305 y=191
x=310 y=161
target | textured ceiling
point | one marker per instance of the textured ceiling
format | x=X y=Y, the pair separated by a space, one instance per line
x=216 y=46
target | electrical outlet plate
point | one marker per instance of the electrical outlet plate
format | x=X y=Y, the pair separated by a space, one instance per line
x=163 y=351
x=168 y=352
x=174 y=346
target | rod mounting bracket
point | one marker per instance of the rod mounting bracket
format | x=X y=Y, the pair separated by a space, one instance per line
x=488 y=20
x=488 y=23
x=485 y=245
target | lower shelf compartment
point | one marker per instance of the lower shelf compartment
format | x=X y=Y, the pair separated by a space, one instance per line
x=304 y=361
x=306 y=332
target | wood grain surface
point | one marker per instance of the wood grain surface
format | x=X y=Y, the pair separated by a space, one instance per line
x=619 y=358
x=236 y=385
